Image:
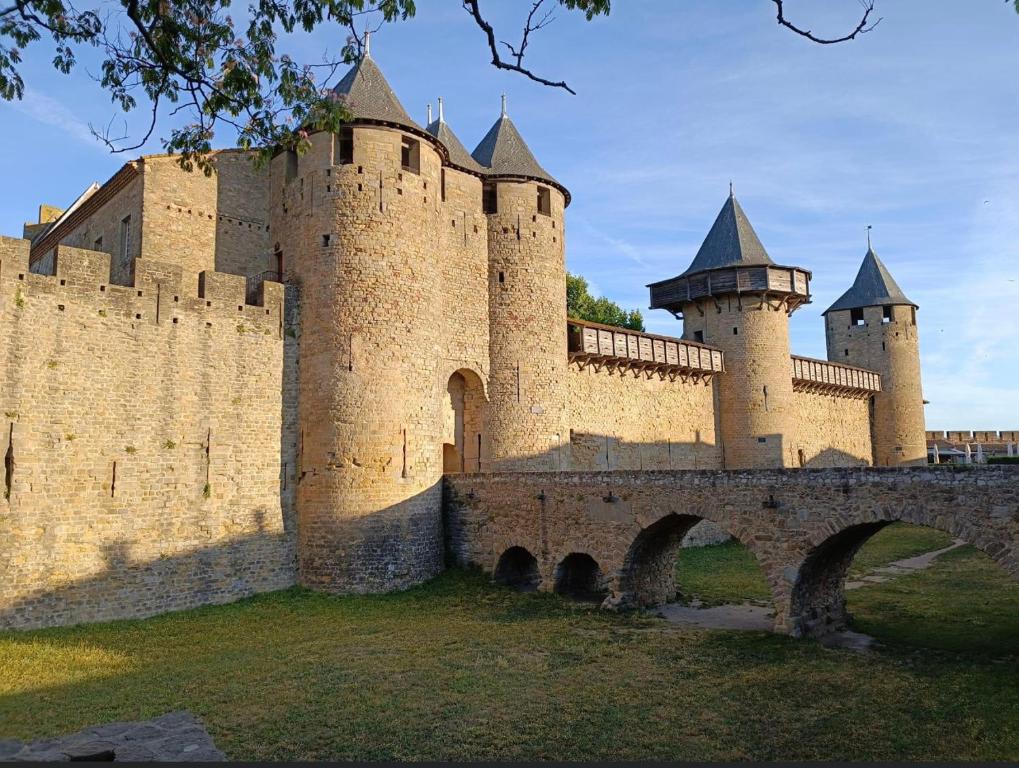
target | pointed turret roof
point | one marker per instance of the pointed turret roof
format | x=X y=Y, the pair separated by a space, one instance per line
x=458 y=154
x=503 y=152
x=874 y=285
x=731 y=242
x=369 y=97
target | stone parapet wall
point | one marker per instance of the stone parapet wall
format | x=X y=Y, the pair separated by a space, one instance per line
x=832 y=431
x=619 y=420
x=142 y=431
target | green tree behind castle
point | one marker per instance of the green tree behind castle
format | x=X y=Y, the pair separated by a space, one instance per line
x=581 y=305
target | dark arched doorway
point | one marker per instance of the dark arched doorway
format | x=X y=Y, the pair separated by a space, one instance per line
x=579 y=577
x=518 y=568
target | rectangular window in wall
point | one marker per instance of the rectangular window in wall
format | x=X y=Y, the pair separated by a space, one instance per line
x=544 y=201
x=886 y=313
x=856 y=316
x=489 y=199
x=698 y=336
x=343 y=148
x=410 y=155
x=125 y=238
x=291 y=165
x=442 y=183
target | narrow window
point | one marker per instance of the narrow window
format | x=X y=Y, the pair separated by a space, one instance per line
x=698 y=336
x=291 y=165
x=343 y=149
x=803 y=458
x=912 y=313
x=489 y=199
x=325 y=240
x=98 y=245
x=735 y=330
x=502 y=277
x=410 y=155
x=442 y=183
x=856 y=316
x=886 y=314
x=847 y=353
x=544 y=201
x=125 y=238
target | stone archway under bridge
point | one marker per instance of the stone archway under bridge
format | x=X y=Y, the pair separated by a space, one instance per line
x=803 y=526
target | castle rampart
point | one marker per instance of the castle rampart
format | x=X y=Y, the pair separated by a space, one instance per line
x=142 y=439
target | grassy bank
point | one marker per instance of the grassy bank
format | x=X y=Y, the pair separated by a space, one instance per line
x=460 y=669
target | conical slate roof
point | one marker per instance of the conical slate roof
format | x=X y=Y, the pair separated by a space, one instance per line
x=731 y=242
x=504 y=152
x=458 y=154
x=873 y=286
x=368 y=95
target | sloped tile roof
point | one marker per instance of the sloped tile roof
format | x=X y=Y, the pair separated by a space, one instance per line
x=873 y=286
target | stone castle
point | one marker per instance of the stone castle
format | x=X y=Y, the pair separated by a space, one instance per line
x=216 y=386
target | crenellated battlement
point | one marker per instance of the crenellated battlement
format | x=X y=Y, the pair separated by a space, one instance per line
x=158 y=293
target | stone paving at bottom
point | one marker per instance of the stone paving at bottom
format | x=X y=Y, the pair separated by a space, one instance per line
x=176 y=737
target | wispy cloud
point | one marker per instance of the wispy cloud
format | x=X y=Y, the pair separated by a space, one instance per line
x=49 y=111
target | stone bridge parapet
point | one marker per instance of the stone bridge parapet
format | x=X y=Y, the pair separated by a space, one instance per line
x=802 y=525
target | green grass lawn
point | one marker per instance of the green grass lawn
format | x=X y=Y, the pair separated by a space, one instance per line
x=461 y=669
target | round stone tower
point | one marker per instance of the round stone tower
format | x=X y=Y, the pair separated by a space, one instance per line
x=355 y=220
x=734 y=297
x=527 y=416
x=873 y=325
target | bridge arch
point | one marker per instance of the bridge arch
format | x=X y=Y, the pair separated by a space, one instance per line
x=579 y=576
x=648 y=575
x=518 y=568
x=817 y=603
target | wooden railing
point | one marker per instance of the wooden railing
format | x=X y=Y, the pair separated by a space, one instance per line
x=811 y=375
x=620 y=348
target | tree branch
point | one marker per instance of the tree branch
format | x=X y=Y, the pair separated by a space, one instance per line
x=861 y=28
x=471 y=6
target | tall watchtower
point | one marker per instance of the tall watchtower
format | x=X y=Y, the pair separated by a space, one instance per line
x=873 y=325
x=734 y=297
x=527 y=424
x=356 y=220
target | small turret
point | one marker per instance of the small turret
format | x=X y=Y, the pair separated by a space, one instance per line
x=873 y=325
x=734 y=297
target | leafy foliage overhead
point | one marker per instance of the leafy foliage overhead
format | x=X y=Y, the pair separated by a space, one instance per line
x=581 y=305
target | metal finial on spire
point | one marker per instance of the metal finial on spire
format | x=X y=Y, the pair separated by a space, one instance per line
x=442 y=117
x=868 y=237
x=504 y=105
x=730 y=189
x=367 y=42
x=430 y=114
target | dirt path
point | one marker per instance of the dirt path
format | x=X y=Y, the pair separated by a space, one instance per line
x=759 y=618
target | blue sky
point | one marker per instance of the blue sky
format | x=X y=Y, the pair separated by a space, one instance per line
x=913 y=128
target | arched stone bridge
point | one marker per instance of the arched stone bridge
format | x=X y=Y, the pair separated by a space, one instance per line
x=619 y=532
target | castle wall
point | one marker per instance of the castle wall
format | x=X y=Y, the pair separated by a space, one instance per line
x=218 y=222
x=635 y=422
x=832 y=431
x=142 y=431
